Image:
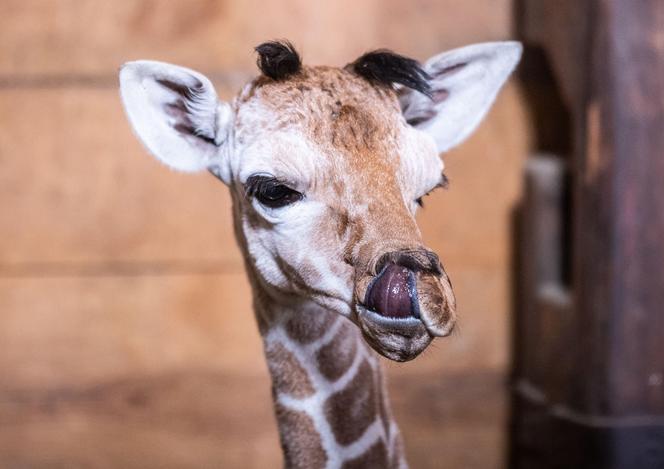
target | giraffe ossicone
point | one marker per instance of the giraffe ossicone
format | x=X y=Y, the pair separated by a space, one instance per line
x=327 y=167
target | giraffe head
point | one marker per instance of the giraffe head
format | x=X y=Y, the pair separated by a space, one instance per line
x=327 y=167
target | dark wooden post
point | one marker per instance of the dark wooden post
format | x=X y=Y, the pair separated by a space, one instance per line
x=590 y=392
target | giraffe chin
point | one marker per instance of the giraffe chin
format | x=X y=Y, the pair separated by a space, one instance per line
x=399 y=339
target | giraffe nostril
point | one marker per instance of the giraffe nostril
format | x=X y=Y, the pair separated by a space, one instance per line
x=393 y=293
x=416 y=260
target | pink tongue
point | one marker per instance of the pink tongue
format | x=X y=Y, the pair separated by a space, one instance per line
x=389 y=295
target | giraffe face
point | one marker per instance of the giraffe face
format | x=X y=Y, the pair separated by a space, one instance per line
x=326 y=177
x=325 y=167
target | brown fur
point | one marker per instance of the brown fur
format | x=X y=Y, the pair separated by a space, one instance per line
x=374 y=458
x=288 y=376
x=309 y=326
x=299 y=440
x=351 y=410
x=337 y=356
x=333 y=106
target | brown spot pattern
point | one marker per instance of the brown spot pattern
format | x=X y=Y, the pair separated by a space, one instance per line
x=306 y=327
x=299 y=440
x=288 y=376
x=337 y=356
x=374 y=458
x=351 y=410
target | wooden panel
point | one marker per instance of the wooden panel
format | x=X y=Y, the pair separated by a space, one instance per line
x=619 y=221
x=442 y=423
x=423 y=28
x=89 y=37
x=76 y=331
x=133 y=372
x=205 y=418
x=603 y=406
x=77 y=186
x=565 y=24
x=189 y=418
x=468 y=224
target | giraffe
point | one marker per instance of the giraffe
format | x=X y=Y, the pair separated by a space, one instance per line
x=327 y=167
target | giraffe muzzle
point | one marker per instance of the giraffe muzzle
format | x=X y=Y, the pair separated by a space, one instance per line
x=405 y=308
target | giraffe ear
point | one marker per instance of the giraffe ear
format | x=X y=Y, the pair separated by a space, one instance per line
x=464 y=83
x=175 y=112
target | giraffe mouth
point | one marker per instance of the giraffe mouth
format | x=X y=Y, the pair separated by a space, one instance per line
x=393 y=293
x=399 y=339
x=404 y=310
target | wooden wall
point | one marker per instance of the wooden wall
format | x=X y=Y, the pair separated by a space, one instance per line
x=126 y=336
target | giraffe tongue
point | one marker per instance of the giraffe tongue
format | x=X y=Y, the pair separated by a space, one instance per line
x=391 y=294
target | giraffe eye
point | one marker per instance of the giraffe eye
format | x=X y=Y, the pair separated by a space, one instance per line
x=271 y=192
x=419 y=201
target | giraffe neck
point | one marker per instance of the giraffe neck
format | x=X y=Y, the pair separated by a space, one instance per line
x=329 y=394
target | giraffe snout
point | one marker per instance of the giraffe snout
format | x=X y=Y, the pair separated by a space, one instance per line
x=406 y=304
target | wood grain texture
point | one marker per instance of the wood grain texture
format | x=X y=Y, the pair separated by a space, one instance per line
x=77 y=187
x=184 y=418
x=86 y=37
x=209 y=418
x=66 y=331
x=566 y=24
x=620 y=224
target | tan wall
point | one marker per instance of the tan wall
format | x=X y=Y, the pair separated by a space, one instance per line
x=126 y=333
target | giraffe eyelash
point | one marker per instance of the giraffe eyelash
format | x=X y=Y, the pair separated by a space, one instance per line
x=444 y=183
x=270 y=191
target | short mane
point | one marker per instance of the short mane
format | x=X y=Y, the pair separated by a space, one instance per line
x=278 y=59
x=386 y=67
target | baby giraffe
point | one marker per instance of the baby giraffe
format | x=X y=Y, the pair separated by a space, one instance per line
x=327 y=167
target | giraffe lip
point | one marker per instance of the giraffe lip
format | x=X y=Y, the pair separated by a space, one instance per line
x=397 y=338
x=398 y=324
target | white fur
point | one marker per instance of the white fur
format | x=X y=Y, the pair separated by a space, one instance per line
x=418 y=175
x=472 y=89
x=145 y=101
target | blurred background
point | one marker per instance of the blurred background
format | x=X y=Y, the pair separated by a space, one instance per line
x=126 y=332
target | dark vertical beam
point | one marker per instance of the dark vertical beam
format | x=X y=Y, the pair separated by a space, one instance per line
x=619 y=216
x=602 y=404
